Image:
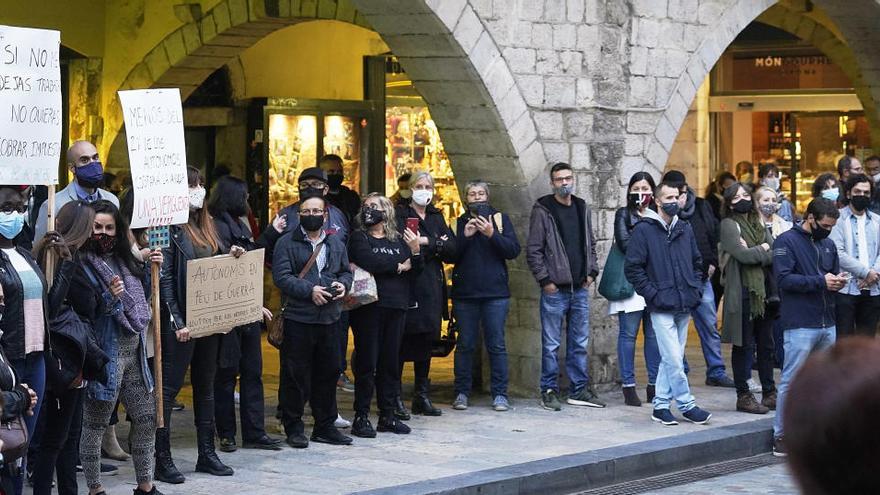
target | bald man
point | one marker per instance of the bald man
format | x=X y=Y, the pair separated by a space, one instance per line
x=88 y=173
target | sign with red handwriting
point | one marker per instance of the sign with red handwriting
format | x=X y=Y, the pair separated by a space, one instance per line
x=157 y=155
x=30 y=105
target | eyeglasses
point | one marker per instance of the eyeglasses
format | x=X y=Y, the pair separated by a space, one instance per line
x=312 y=183
x=567 y=178
x=11 y=207
x=313 y=212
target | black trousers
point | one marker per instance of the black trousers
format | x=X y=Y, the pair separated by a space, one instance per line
x=344 y=321
x=249 y=372
x=58 y=452
x=377 y=336
x=755 y=332
x=309 y=370
x=857 y=315
x=200 y=355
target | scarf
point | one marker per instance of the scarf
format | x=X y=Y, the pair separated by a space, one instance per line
x=752 y=231
x=135 y=314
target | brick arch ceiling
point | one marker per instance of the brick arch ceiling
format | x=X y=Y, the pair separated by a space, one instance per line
x=855 y=19
x=443 y=46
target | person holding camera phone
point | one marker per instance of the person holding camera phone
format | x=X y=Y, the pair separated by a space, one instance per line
x=481 y=292
x=428 y=299
x=312 y=271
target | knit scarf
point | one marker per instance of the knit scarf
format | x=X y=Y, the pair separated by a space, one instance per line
x=135 y=314
x=752 y=231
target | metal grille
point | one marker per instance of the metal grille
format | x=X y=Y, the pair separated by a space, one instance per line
x=685 y=477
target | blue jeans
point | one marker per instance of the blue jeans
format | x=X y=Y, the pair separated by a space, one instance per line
x=30 y=370
x=706 y=320
x=799 y=344
x=574 y=309
x=671 y=331
x=626 y=347
x=493 y=314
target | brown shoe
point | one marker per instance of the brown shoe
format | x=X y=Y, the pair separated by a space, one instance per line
x=630 y=397
x=768 y=399
x=745 y=402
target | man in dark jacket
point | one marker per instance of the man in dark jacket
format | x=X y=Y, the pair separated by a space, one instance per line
x=806 y=266
x=561 y=252
x=480 y=292
x=664 y=266
x=698 y=213
x=339 y=195
x=311 y=269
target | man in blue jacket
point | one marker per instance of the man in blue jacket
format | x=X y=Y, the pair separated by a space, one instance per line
x=806 y=266
x=664 y=266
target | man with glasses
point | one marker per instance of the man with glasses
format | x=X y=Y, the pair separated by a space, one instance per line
x=561 y=252
x=88 y=177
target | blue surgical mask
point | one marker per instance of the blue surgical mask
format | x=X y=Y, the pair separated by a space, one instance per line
x=91 y=175
x=11 y=224
x=831 y=194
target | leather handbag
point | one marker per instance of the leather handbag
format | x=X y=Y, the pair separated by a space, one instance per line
x=14 y=435
x=446 y=343
x=614 y=286
x=276 y=330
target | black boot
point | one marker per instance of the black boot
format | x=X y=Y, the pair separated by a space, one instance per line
x=208 y=461
x=388 y=423
x=400 y=410
x=651 y=390
x=421 y=403
x=154 y=491
x=165 y=470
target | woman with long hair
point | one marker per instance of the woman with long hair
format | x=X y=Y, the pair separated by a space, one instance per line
x=750 y=302
x=241 y=354
x=193 y=240
x=393 y=259
x=107 y=292
x=428 y=299
x=631 y=311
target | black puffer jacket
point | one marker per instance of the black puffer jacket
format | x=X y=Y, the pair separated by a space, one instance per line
x=698 y=213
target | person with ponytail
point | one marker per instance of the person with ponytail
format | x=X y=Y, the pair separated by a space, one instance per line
x=750 y=307
x=193 y=240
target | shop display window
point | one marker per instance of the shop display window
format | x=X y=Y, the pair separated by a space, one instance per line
x=342 y=137
x=292 y=147
x=413 y=144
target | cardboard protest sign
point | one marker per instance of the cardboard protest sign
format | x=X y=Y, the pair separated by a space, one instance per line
x=224 y=292
x=30 y=105
x=157 y=155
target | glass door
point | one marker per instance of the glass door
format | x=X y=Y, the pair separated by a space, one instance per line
x=293 y=146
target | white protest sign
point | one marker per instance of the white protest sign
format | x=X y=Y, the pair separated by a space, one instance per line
x=30 y=105
x=157 y=155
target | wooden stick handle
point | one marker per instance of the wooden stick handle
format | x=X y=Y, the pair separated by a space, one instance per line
x=50 y=226
x=157 y=344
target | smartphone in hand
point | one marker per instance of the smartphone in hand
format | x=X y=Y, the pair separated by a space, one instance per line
x=413 y=225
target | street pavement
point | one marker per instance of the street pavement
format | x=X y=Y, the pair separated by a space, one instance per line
x=774 y=480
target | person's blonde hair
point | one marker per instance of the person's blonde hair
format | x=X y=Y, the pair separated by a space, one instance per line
x=389 y=225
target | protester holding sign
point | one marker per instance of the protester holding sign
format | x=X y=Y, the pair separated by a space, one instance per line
x=107 y=291
x=391 y=258
x=84 y=163
x=193 y=240
x=311 y=269
x=241 y=349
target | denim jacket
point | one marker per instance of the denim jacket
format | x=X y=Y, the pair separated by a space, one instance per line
x=845 y=237
x=102 y=314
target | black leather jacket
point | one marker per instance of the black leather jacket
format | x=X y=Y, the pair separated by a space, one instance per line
x=172 y=282
x=624 y=222
x=12 y=323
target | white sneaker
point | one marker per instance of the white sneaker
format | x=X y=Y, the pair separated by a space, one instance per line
x=754 y=387
x=341 y=422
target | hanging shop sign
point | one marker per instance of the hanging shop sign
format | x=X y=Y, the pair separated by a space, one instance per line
x=30 y=105
x=157 y=155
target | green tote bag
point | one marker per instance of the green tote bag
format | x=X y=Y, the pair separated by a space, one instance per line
x=614 y=286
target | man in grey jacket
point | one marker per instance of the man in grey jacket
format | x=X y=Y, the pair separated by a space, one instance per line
x=88 y=174
x=561 y=252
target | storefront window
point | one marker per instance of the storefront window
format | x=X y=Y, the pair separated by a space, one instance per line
x=293 y=145
x=342 y=137
x=412 y=145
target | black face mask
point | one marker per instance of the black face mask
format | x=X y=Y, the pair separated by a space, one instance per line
x=310 y=192
x=372 y=216
x=860 y=203
x=818 y=232
x=744 y=206
x=311 y=223
x=334 y=180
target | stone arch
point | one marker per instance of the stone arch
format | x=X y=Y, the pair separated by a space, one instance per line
x=443 y=46
x=851 y=53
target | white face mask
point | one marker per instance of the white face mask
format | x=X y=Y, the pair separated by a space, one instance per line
x=422 y=197
x=197 y=197
x=772 y=183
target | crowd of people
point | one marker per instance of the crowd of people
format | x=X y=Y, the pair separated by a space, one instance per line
x=74 y=349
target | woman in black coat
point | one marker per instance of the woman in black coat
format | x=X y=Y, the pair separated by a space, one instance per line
x=428 y=300
x=241 y=349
